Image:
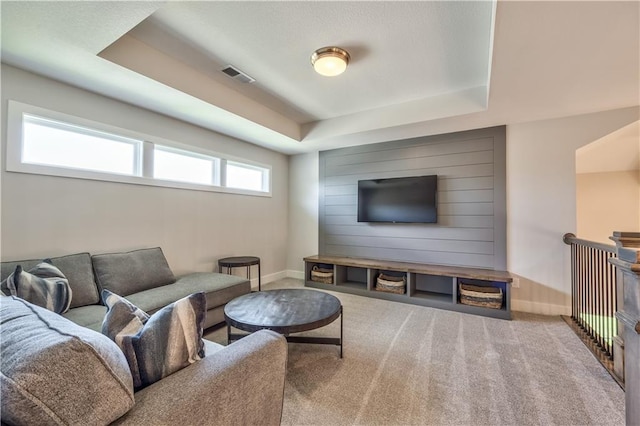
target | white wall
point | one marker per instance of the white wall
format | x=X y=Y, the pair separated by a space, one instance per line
x=303 y=210
x=50 y=216
x=607 y=202
x=541 y=204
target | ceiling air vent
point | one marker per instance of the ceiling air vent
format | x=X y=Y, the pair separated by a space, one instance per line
x=236 y=74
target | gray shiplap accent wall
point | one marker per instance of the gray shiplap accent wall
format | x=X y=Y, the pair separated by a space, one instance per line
x=471 y=228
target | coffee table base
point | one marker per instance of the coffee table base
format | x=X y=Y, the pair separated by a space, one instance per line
x=337 y=341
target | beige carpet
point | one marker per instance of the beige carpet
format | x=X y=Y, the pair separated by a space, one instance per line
x=406 y=364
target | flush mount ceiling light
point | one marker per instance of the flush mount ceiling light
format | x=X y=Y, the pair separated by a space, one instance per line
x=330 y=61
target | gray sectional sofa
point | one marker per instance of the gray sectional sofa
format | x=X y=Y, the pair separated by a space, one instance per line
x=59 y=370
x=142 y=276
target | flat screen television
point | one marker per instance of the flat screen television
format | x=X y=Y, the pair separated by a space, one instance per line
x=398 y=200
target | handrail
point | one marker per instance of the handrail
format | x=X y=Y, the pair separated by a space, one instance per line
x=626 y=239
x=570 y=238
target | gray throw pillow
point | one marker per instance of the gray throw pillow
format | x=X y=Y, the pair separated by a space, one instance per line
x=44 y=286
x=76 y=267
x=132 y=272
x=158 y=345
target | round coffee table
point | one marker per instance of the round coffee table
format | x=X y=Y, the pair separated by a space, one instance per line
x=285 y=311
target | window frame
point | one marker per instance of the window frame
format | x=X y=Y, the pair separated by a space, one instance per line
x=215 y=163
x=136 y=143
x=16 y=111
x=264 y=171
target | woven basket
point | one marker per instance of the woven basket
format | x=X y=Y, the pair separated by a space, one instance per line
x=321 y=275
x=390 y=284
x=486 y=297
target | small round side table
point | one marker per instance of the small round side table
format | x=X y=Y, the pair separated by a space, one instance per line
x=238 y=261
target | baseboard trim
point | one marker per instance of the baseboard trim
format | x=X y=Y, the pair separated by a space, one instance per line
x=295 y=274
x=539 y=308
x=268 y=278
x=516 y=305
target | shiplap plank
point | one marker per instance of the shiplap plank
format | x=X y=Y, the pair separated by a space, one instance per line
x=444 y=184
x=347 y=189
x=448 y=209
x=414 y=256
x=412 y=230
x=423 y=150
x=469 y=221
x=455 y=246
x=469 y=170
x=440 y=161
x=348 y=210
x=443 y=220
x=346 y=219
x=475 y=196
x=341 y=200
x=465 y=209
x=464 y=184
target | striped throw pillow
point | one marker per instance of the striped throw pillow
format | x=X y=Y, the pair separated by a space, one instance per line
x=44 y=285
x=158 y=345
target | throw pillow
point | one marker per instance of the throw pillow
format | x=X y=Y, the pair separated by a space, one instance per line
x=132 y=272
x=76 y=267
x=44 y=285
x=158 y=345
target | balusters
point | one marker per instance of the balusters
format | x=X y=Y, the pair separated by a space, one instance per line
x=593 y=290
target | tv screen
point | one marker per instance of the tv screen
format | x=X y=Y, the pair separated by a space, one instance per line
x=402 y=200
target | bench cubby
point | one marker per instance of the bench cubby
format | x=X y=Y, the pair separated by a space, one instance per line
x=427 y=285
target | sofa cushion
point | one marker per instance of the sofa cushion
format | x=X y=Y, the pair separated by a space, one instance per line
x=44 y=285
x=57 y=372
x=218 y=288
x=160 y=345
x=132 y=272
x=76 y=267
x=90 y=316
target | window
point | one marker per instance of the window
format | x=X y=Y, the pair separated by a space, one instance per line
x=52 y=143
x=40 y=141
x=184 y=166
x=245 y=176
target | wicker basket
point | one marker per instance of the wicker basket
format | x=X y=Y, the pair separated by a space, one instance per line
x=390 y=284
x=486 y=297
x=321 y=275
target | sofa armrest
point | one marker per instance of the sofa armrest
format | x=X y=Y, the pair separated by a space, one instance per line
x=242 y=384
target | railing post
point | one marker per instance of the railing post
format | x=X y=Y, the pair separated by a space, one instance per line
x=628 y=316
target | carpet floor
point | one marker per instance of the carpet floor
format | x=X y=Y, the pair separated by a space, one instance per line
x=412 y=365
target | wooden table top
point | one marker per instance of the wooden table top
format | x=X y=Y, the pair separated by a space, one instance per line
x=239 y=261
x=449 y=271
x=283 y=311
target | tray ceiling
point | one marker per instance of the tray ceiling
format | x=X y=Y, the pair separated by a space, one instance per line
x=417 y=67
